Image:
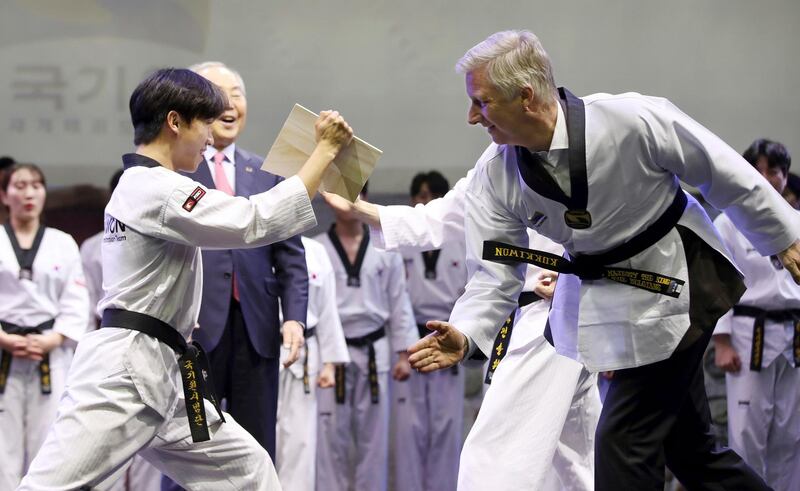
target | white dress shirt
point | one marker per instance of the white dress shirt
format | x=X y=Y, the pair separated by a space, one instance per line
x=228 y=165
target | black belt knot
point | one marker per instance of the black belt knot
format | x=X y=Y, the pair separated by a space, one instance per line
x=760 y=316
x=367 y=340
x=192 y=363
x=6 y=357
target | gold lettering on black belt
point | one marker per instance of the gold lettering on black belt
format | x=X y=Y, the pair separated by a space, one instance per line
x=760 y=317
x=372 y=373
x=503 y=338
x=309 y=332
x=340 y=388
x=192 y=364
x=368 y=340
x=656 y=283
x=500 y=347
x=306 y=382
x=6 y=357
x=196 y=379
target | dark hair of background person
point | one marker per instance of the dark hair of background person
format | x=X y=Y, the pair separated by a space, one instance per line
x=6 y=162
x=8 y=173
x=172 y=89
x=437 y=183
x=776 y=153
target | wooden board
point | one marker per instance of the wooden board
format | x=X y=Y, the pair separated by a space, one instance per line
x=295 y=142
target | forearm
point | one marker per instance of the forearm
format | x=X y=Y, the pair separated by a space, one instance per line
x=312 y=171
x=367 y=213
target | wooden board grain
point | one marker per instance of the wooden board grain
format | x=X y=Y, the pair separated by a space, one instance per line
x=295 y=142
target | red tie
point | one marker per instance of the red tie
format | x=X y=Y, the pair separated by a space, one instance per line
x=222 y=184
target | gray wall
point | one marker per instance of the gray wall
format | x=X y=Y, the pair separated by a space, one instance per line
x=69 y=66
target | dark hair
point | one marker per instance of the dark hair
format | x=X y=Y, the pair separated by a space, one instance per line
x=793 y=184
x=172 y=89
x=112 y=184
x=776 y=153
x=437 y=183
x=6 y=162
x=16 y=167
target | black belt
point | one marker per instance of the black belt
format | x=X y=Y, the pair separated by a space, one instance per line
x=309 y=332
x=504 y=335
x=192 y=362
x=424 y=331
x=6 y=357
x=593 y=266
x=360 y=342
x=761 y=316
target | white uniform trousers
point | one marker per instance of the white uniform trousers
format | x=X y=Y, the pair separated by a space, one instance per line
x=427 y=424
x=140 y=475
x=353 y=448
x=538 y=418
x=764 y=420
x=26 y=414
x=296 y=432
x=103 y=422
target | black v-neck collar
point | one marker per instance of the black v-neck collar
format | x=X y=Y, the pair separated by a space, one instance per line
x=430 y=258
x=353 y=270
x=25 y=257
x=138 y=160
x=538 y=179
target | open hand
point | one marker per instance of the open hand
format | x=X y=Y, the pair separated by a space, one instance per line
x=443 y=348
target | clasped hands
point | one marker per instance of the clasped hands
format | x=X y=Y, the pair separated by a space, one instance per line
x=32 y=346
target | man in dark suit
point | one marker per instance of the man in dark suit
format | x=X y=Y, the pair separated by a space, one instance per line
x=238 y=320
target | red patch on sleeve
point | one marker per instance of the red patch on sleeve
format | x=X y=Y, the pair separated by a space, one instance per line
x=194 y=198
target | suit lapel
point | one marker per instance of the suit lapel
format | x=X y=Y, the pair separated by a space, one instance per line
x=244 y=178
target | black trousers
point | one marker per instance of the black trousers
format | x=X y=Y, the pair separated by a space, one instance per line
x=247 y=382
x=657 y=414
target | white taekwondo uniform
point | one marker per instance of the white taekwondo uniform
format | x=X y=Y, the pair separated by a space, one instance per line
x=634 y=149
x=55 y=291
x=764 y=404
x=139 y=475
x=124 y=393
x=535 y=429
x=428 y=408
x=92 y=262
x=360 y=421
x=296 y=456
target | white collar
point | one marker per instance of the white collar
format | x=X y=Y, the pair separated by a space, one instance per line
x=228 y=151
x=560 y=140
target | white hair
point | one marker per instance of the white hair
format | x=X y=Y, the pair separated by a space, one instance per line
x=513 y=59
x=207 y=65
